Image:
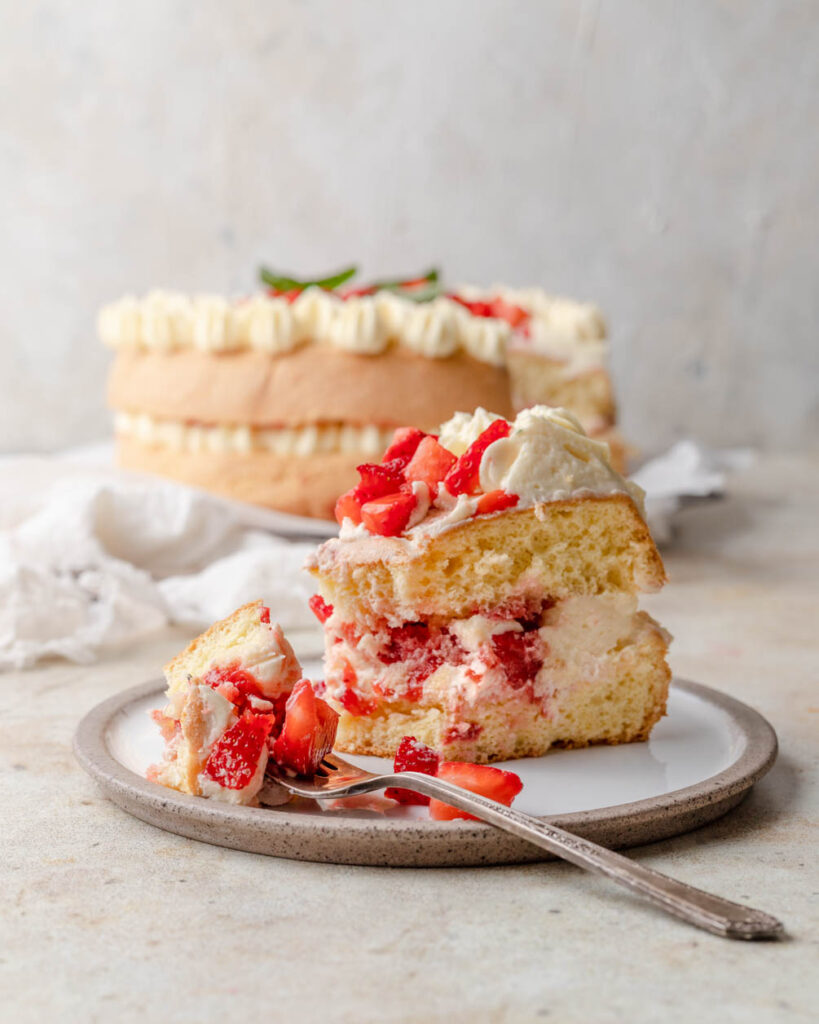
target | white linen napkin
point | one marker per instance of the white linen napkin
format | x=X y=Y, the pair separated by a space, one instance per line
x=92 y=556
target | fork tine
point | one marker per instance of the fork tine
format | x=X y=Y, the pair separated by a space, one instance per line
x=338 y=764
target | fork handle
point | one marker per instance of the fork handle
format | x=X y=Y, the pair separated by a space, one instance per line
x=714 y=914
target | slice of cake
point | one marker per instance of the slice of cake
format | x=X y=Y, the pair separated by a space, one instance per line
x=482 y=595
x=235 y=697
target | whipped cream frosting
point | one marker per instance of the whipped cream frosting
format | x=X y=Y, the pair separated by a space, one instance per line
x=312 y=439
x=165 y=321
x=572 y=333
x=546 y=457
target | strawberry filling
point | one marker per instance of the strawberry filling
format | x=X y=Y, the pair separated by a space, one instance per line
x=413 y=652
x=234 y=683
x=320 y=608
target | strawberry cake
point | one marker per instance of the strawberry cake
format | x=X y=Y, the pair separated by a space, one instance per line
x=276 y=398
x=482 y=594
x=235 y=698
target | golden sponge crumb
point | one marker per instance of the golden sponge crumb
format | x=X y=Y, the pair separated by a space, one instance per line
x=590 y=545
x=539 y=380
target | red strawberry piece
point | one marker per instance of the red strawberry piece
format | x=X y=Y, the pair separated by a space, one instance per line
x=233 y=682
x=405 y=441
x=430 y=463
x=521 y=655
x=378 y=479
x=235 y=756
x=512 y=314
x=464 y=477
x=389 y=515
x=413 y=756
x=348 y=506
x=320 y=608
x=350 y=699
x=265 y=616
x=496 y=501
x=478 y=778
x=476 y=307
x=308 y=733
x=356 y=704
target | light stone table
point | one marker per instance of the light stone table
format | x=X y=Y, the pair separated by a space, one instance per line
x=107 y=919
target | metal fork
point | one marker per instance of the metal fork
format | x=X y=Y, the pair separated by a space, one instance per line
x=338 y=778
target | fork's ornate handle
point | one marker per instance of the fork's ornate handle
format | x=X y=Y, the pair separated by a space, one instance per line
x=714 y=914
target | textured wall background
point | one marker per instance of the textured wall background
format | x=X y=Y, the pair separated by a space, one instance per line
x=658 y=157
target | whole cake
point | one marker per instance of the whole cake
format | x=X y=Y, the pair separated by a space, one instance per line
x=482 y=595
x=276 y=398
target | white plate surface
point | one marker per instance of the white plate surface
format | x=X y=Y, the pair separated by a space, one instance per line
x=700 y=762
x=696 y=741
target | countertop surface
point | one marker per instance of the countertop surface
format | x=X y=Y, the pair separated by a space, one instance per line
x=108 y=919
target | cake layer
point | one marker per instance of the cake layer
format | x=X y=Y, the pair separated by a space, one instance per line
x=306 y=485
x=578 y=546
x=598 y=676
x=539 y=379
x=310 y=385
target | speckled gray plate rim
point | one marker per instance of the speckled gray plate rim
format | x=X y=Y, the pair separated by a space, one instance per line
x=379 y=840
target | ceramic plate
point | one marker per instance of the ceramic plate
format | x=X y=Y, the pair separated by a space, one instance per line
x=700 y=762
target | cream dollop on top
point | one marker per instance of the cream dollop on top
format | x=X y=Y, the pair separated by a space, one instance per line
x=546 y=457
x=573 y=333
x=166 y=321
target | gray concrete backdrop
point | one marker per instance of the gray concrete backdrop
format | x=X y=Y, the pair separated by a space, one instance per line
x=658 y=157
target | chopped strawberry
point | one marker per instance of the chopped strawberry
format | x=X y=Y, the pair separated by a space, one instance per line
x=405 y=441
x=521 y=655
x=265 y=616
x=320 y=608
x=464 y=477
x=308 y=733
x=430 y=463
x=349 y=698
x=477 y=307
x=378 y=479
x=348 y=506
x=235 y=756
x=233 y=682
x=512 y=314
x=389 y=515
x=356 y=704
x=478 y=778
x=413 y=756
x=496 y=501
